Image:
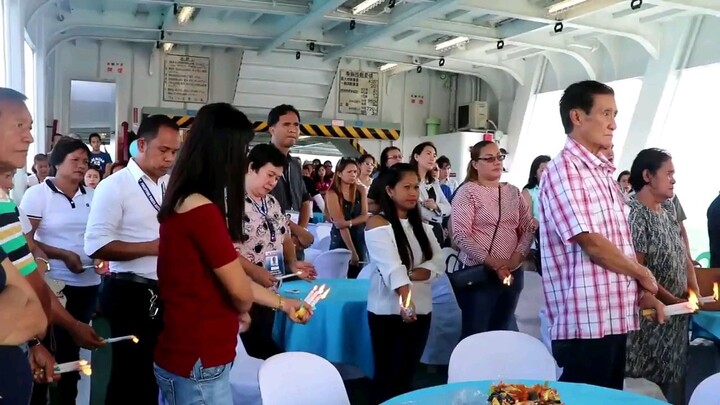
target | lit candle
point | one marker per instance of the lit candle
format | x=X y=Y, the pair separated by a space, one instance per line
x=508 y=280
x=407 y=309
x=121 y=338
x=316 y=295
x=713 y=298
x=683 y=308
x=80 y=365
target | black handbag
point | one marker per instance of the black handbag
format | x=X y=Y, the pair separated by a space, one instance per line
x=466 y=277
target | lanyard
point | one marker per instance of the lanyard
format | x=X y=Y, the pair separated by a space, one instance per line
x=150 y=197
x=262 y=209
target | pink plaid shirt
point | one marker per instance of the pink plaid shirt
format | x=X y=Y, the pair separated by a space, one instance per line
x=584 y=300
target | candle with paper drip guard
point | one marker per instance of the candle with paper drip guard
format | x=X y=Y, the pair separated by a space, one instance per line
x=683 y=308
x=713 y=298
x=314 y=296
x=80 y=365
x=298 y=274
x=121 y=338
x=407 y=309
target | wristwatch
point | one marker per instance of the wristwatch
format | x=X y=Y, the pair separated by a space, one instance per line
x=281 y=303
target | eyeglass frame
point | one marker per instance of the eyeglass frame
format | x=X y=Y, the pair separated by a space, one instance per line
x=492 y=159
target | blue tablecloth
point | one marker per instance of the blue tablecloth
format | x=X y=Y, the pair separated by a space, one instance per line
x=338 y=331
x=706 y=324
x=476 y=393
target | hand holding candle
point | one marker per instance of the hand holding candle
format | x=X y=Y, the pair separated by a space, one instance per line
x=713 y=298
x=314 y=296
x=121 y=338
x=407 y=307
x=683 y=308
x=80 y=365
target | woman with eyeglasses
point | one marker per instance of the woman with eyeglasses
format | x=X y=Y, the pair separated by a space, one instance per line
x=434 y=207
x=204 y=289
x=405 y=259
x=366 y=164
x=389 y=157
x=493 y=229
x=347 y=206
x=266 y=248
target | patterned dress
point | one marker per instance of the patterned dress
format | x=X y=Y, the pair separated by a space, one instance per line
x=264 y=228
x=659 y=352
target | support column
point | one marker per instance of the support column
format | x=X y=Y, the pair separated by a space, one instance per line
x=658 y=88
x=15 y=65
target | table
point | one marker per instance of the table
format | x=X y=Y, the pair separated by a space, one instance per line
x=338 y=331
x=476 y=393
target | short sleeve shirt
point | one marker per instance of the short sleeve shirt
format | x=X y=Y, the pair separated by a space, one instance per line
x=12 y=238
x=264 y=229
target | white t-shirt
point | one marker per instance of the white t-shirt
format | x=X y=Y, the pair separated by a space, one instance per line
x=62 y=225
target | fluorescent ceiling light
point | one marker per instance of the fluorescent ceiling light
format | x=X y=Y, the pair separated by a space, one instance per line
x=565 y=4
x=387 y=66
x=185 y=14
x=457 y=41
x=365 y=6
x=168 y=46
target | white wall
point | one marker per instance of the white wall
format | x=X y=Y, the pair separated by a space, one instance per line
x=139 y=85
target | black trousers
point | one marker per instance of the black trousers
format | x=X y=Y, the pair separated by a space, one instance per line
x=397 y=349
x=490 y=305
x=258 y=340
x=126 y=305
x=15 y=376
x=598 y=362
x=80 y=304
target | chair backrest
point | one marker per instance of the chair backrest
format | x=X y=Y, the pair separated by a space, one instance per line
x=333 y=263
x=501 y=355
x=312 y=228
x=706 y=392
x=323 y=231
x=366 y=272
x=322 y=245
x=313 y=380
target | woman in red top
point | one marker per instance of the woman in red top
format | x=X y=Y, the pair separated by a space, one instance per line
x=204 y=289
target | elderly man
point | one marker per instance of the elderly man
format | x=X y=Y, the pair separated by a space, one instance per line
x=593 y=284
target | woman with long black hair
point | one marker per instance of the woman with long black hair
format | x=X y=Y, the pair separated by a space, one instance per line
x=202 y=284
x=405 y=257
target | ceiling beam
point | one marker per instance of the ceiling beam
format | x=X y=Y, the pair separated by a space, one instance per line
x=244 y=5
x=398 y=22
x=709 y=7
x=317 y=11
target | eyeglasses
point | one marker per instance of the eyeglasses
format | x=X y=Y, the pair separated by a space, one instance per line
x=492 y=159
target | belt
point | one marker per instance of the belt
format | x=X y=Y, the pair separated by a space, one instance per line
x=134 y=278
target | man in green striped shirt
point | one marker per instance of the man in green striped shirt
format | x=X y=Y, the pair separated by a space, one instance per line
x=15 y=140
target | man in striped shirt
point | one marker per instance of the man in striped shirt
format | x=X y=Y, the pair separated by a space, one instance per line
x=594 y=286
x=15 y=139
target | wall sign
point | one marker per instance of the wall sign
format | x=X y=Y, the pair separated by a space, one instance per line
x=359 y=93
x=114 y=67
x=186 y=79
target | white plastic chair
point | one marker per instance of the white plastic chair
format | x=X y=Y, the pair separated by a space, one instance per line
x=322 y=231
x=706 y=393
x=317 y=382
x=333 y=263
x=322 y=245
x=499 y=355
x=366 y=272
x=312 y=228
x=244 y=377
x=311 y=254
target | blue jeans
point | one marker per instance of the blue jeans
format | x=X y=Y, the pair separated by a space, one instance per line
x=204 y=386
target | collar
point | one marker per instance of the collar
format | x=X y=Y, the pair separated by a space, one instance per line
x=137 y=173
x=51 y=185
x=573 y=148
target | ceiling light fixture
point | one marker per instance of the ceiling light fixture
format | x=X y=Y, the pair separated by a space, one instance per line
x=168 y=46
x=184 y=15
x=451 y=43
x=387 y=66
x=365 y=6
x=564 y=5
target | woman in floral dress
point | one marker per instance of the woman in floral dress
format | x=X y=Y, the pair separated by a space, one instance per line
x=659 y=352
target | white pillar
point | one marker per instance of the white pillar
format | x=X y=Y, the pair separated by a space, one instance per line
x=658 y=88
x=15 y=65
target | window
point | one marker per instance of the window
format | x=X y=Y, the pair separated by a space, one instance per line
x=689 y=135
x=544 y=133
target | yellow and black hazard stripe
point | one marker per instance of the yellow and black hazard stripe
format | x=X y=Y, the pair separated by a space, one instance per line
x=356 y=144
x=329 y=131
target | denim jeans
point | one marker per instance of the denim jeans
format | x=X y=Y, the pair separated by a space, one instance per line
x=204 y=386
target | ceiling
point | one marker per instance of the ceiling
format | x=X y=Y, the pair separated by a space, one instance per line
x=500 y=33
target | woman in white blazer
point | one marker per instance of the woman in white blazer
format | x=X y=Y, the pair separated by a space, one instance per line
x=434 y=206
x=404 y=257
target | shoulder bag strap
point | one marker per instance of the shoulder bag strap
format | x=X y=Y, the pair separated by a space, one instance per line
x=497 y=225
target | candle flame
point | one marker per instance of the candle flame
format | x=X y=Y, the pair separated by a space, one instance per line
x=135 y=339
x=407 y=300
x=693 y=301
x=508 y=280
x=82 y=363
x=325 y=294
x=716 y=292
x=86 y=370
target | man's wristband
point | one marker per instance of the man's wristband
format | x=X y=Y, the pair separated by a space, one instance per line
x=44 y=260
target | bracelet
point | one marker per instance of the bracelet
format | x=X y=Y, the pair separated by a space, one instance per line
x=281 y=303
x=44 y=260
x=34 y=342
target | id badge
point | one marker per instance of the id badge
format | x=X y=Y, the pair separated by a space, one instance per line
x=274 y=263
x=293 y=216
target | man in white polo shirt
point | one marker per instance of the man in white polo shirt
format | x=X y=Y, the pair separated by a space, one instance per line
x=123 y=229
